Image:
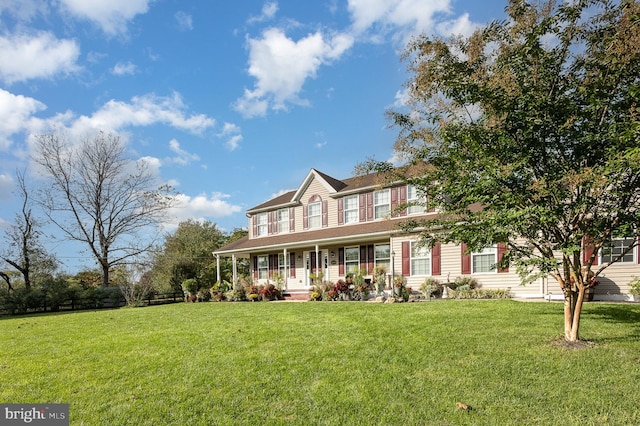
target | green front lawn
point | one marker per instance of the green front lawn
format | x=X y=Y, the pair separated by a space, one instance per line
x=327 y=363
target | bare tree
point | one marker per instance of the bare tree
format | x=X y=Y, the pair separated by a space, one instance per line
x=25 y=251
x=99 y=197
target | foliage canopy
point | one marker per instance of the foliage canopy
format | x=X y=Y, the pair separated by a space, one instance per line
x=526 y=132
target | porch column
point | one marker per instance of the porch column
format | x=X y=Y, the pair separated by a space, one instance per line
x=287 y=269
x=218 y=268
x=318 y=262
x=235 y=270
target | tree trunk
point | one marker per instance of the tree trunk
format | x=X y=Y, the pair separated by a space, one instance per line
x=573 y=301
x=105 y=275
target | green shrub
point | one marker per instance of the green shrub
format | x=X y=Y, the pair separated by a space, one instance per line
x=634 y=287
x=431 y=287
x=470 y=282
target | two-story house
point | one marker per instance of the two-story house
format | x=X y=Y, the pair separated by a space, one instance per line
x=340 y=226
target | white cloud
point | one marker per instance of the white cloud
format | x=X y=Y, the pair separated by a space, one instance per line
x=184 y=158
x=460 y=26
x=232 y=134
x=16 y=112
x=233 y=142
x=124 y=69
x=41 y=55
x=184 y=20
x=404 y=18
x=143 y=111
x=269 y=10
x=112 y=16
x=201 y=207
x=281 y=66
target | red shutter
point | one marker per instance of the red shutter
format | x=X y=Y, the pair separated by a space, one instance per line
x=363 y=257
x=406 y=258
x=255 y=267
x=502 y=248
x=403 y=199
x=273 y=259
x=362 y=207
x=292 y=265
x=271 y=226
x=254 y=220
x=325 y=213
x=312 y=256
x=292 y=219
x=435 y=260
x=370 y=259
x=394 y=201
x=340 y=211
x=305 y=217
x=466 y=259
x=370 y=206
x=587 y=251
x=341 y=261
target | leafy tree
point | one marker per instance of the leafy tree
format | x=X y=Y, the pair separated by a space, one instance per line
x=526 y=132
x=187 y=254
x=25 y=251
x=99 y=197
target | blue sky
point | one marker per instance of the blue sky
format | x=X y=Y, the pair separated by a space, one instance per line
x=232 y=102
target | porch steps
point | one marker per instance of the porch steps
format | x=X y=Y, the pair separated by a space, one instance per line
x=296 y=295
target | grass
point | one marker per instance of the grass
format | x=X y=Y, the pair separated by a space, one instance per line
x=326 y=364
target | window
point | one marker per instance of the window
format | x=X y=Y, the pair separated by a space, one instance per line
x=484 y=260
x=382 y=256
x=261 y=220
x=420 y=259
x=381 y=203
x=413 y=196
x=351 y=209
x=282 y=266
x=352 y=260
x=615 y=248
x=283 y=220
x=315 y=215
x=263 y=267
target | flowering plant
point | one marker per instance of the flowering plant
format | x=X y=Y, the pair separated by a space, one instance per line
x=341 y=287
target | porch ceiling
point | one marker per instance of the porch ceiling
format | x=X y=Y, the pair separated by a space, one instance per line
x=345 y=234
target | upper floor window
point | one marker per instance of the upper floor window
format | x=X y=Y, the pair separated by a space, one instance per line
x=616 y=248
x=417 y=199
x=351 y=209
x=352 y=260
x=381 y=203
x=262 y=224
x=484 y=260
x=420 y=259
x=315 y=215
x=283 y=220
